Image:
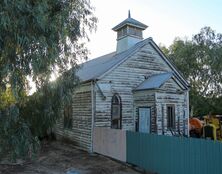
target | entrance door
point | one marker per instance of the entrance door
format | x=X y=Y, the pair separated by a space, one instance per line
x=144 y=120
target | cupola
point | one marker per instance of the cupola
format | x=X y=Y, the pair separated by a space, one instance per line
x=129 y=32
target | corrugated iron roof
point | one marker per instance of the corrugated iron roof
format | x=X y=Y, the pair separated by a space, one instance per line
x=96 y=67
x=155 y=81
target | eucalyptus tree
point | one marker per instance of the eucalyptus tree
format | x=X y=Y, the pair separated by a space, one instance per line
x=38 y=38
x=200 y=61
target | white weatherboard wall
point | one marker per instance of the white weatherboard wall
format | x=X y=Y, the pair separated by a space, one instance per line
x=110 y=142
x=80 y=134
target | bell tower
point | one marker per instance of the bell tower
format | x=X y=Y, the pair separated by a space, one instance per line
x=129 y=32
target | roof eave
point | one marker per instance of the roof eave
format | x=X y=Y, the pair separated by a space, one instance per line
x=170 y=63
x=116 y=28
x=87 y=81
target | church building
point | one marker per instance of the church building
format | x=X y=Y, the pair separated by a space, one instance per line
x=135 y=88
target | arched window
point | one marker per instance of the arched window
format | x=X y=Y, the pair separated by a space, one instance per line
x=116 y=112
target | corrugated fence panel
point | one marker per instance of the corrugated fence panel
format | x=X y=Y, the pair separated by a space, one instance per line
x=173 y=155
x=132 y=149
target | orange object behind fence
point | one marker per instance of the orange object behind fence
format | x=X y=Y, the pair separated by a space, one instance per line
x=195 y=123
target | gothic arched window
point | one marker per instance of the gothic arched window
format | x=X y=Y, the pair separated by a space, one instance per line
x=116 y=112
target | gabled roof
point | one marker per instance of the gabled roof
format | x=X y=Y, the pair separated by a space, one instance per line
x=95 y=68
x=155 y=81
x=177 y=73
x=132 y=22
x=98 y=67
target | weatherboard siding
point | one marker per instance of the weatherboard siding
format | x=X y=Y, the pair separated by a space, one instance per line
x=103 y=106
x=126 y=77
x=171 y=86
x=179 y=101
x=122 y=80
x=145 y=98
x=157 y=100
x=80 y=134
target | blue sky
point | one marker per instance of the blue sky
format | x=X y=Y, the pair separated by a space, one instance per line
x=166 y=19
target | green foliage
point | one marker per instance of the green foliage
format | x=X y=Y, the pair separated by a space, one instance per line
x=200 y=61
x=6 y=98
x=16 y=138
x=38 y=38
x=43 y=108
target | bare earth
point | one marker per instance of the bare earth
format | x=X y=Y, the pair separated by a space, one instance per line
x=61 y=158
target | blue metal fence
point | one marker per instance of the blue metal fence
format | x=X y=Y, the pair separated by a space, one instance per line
x=174 y=155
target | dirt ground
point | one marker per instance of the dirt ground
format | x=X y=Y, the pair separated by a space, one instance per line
x=62 y=158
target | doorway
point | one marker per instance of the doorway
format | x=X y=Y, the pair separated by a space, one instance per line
x=144 y=120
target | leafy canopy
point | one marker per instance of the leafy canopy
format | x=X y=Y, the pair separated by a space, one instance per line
x=38 y=38
x=200 y=61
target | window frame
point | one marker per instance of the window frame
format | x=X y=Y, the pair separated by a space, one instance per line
x=171 y=119
x=67 y=117
x=119 y=104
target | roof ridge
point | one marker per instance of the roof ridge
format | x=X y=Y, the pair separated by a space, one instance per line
x=128 y=53
x=98 y=67
x=116 y=54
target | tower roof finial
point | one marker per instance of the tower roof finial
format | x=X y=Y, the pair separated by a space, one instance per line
x=130 y=22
